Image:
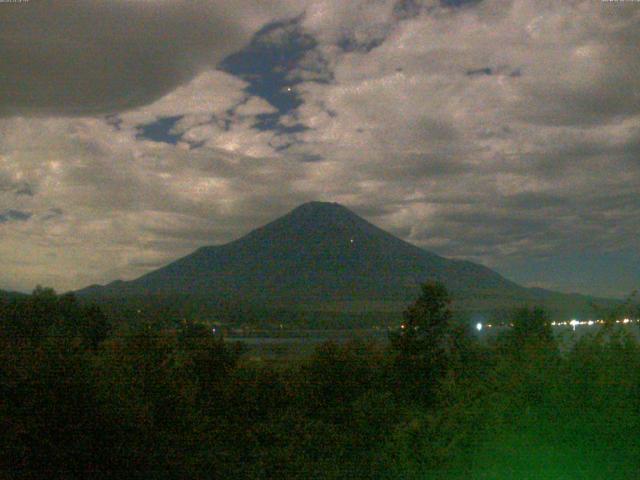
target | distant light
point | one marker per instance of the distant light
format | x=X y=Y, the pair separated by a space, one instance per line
x=478 y=326
x=288 y=89
x=573 y=323
x=213 y=330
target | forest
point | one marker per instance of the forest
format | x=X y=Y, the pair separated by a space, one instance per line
x=85 y=396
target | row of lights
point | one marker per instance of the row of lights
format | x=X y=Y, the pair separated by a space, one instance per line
x=572 y=323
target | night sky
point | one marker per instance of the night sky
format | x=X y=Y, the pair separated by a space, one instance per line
x=504 y=132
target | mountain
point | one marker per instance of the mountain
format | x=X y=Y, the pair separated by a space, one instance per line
x=324 y=256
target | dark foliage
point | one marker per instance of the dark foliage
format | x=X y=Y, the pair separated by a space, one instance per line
x=45 y=314
x=426 y=343
x=146 y=401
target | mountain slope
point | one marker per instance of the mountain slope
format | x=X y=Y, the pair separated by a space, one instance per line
x=318 y=250
x=319 y=253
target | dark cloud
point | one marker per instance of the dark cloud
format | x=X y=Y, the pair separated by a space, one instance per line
x=416 y=167
x=592 y=77
x=146 y=265
x=17 y=188
x=53 y=213
x=480 y=71
x=407 y=8
x=534 y=200
x=310 y=158
x=86 y=56
x=458 y=3
x=25 y=189
x=14 y=215
x=352 y=44
x=480 y=223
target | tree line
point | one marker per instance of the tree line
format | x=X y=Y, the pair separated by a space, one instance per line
x=82 y=396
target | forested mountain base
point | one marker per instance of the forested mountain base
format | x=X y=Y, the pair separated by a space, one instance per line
x=81 y=400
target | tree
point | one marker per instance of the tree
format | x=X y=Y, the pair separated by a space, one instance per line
x=527 y=362
x=426 y=321
x=531 y=325
x=610 y=314
x=95 y=327
x=425 y=341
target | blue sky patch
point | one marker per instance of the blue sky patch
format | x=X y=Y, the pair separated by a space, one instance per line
x=271 y=121
x=267 y=62
x=160 y=130
x=350 y=44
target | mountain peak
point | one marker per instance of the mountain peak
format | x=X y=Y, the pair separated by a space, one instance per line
x=319 y=251
x=314 y=216
x=320 y=208
x=320 y=220
x=318 y=204
x=318 y=254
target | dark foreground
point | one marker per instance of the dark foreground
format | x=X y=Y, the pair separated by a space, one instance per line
x=81 y=397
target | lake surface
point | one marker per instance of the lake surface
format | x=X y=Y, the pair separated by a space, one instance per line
x=304 y=341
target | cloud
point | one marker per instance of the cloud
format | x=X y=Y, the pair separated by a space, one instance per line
x=492 y=163
x=96 y=56
x=501 y=131
x=108 y=202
